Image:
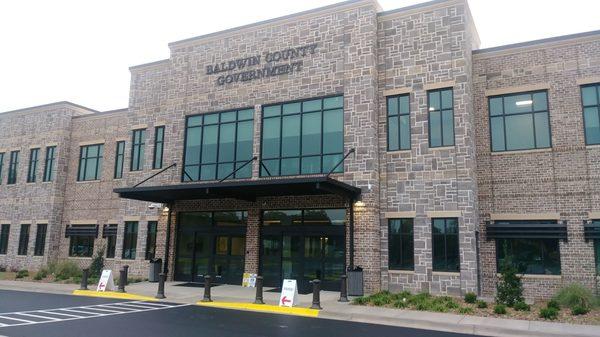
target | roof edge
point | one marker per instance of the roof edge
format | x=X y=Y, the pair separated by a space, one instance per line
x=280 y=18
x=538 y=42
x=101 y=113
x=415 y=6
x=92 y=111
x=149 y=64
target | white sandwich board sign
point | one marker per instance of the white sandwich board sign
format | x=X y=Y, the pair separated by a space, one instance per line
x=289 y=293
x=106 y=281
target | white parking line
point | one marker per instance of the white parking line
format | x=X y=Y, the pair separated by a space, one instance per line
x=140 y=306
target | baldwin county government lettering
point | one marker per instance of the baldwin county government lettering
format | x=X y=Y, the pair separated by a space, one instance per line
x=293 y=57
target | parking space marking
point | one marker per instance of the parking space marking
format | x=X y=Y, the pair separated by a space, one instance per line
x=111 y=309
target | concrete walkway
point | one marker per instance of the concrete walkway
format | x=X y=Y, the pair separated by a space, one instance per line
x=332 y=309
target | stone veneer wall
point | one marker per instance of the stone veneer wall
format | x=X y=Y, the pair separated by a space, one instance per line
x=563 y=180
x=419 y=50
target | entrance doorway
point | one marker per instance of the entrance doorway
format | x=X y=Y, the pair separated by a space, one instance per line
x=303 y=245
x=211 y=243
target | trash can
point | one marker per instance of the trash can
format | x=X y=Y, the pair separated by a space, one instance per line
x=355 y=281
x=154 y=270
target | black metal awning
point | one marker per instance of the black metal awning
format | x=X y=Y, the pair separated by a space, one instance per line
x=526 y=230
x=109 y=230
x=244 y=190
x=81 y=230
x=591 y=230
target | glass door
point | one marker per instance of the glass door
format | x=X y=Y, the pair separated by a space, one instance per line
x=228 y=266
x=271 y=260
x=201 y=256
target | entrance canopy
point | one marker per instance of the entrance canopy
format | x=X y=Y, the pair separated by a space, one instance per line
x=244 y=190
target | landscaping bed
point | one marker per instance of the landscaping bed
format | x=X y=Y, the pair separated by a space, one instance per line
x=426 y=302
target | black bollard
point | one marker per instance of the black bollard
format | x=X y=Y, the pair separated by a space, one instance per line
x=122 y=280
x=259 y=291
x=207 y=289
x=316 y=303
x=344 y=289
x=126 y=268
x=161 y=286
x=84 y=279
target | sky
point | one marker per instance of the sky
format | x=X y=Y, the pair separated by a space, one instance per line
x=81 y=51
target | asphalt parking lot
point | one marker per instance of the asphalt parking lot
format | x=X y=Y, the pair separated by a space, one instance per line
x=37 y=314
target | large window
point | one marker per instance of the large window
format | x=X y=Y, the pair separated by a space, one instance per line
x=151 y=240
x=49 y=163
x=33 y=160
x=137 y=149
x=440 y=105
x=306 y=217
x=445 y=245
x=519 y=121
x=216 y=144
x=130 y=240
x=398 y=122
x=1 y=165
x=90 y=162
x=12 y=167
x=159 y=140
x=81 y=246
x=23 y=240
x=40 y=240
x=119 y=159
x=111 y=246
x=304 y=137
x=401 y=244
x=590 y=98
x=529 y=256
x=4 y=232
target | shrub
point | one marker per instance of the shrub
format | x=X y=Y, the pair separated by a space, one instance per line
x=470 y=297
x=97 y=263
x=439 y=307
x=379 y=299
x=2 y=269
x=579 y=309
x=553 y=304
x=482 y=304
x=549 y=313
x=575 y=295
x=22 y=273
x=400 y=304
x=509 y=289
x=521 y=306
x=419 y=298
x=465 y=310
x=500 y=309
x=41 y=274
x=360 y=300
x=65 y=270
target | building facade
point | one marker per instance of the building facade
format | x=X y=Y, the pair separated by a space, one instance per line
x=307 y=145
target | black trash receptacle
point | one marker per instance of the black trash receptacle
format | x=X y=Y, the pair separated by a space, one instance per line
x=355 y=282
x=154 y=270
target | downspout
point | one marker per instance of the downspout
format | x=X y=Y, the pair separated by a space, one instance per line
x=168 y=240
x=352 y=234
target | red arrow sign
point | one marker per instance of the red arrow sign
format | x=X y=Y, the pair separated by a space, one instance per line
x=284 y=300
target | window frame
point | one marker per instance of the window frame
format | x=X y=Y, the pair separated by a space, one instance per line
x=1 y=165
x=400 y=236
x=151 y=233
x=130 y=239
x=440 y=110
x=583 y=107
x=217 y=162
x=158 y=142
x=40 y=239
x=532 y=113
x=90 y=245
x=84 y=161
x=119 y=160
x=300 y=156
x=4 y=238
x=49 y=160
x=445 y=236
x=397 y=117
x=32 y=166
x=23 y=239
x=138 y=146
x=13 y=168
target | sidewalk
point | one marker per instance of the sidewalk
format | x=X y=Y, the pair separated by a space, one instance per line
x=332 y=309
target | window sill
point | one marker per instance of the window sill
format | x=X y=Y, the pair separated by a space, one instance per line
x=399 y=151
x=401 y=271
x=446 y=273
x=593 y=146
x=537 y=276
x=499 y=153
x=87 y=181
x=80 y=257
x=442 y=148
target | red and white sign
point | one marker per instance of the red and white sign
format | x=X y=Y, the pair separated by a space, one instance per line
x=106 y=281
x=289 y=293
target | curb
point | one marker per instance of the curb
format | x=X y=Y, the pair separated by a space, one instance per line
x=465 y=328
x=295 y=311
x=113 y=294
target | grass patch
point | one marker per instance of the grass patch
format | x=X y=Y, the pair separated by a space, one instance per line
x=500 y=309
x=470 y=298
x=549 y=313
